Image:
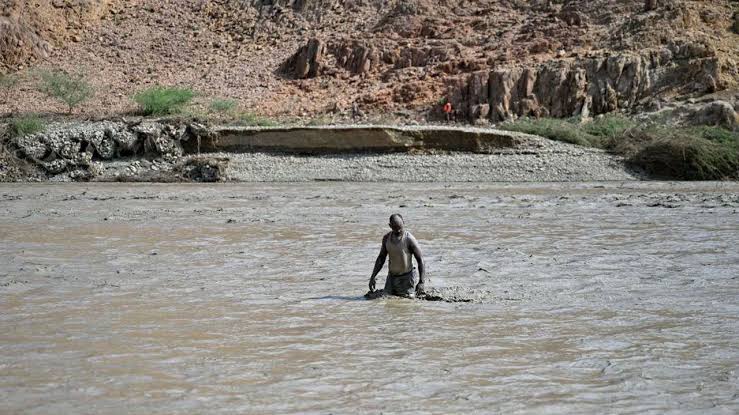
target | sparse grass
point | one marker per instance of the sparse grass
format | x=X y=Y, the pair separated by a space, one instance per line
x=253 y=120
x=160 y=100
x=691 y=153
x=72 y=90
x=554 y=129
x=31 y=124
x=223 y=106
x=609 y=126
x=7 y=83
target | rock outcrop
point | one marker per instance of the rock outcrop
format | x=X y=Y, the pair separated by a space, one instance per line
x=317 y=57
x=307 y=62
x=566 y=88
x=356 y=57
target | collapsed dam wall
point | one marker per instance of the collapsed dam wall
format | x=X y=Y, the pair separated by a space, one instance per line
x=342 y=139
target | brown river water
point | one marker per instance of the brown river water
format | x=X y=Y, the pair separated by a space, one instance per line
x=247 y=299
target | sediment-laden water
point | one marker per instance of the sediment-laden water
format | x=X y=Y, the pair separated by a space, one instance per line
x=181 y=299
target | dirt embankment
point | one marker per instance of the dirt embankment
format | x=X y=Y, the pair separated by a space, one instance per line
x=380 y=58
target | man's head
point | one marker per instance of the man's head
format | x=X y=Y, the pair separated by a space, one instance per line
x=396 y=223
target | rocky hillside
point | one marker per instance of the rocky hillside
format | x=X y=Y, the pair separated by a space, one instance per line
x=492 y=58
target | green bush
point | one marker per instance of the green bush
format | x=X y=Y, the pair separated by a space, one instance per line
x=161 y=100
x=71 y=90
x=21 y=126
x=223 y=106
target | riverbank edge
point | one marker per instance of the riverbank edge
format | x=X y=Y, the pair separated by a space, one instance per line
x=166 y=150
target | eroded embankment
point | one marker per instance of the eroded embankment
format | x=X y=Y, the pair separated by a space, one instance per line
x=174 y=151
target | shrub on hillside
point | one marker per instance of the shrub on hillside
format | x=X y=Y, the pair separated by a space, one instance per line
x=160 y=100
x=72 y=90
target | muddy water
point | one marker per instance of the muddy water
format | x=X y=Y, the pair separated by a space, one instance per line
x=612 y=298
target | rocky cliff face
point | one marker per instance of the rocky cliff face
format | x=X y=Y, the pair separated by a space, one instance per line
x=565 y=88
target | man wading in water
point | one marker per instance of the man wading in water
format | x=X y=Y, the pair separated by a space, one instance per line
x=402 y=278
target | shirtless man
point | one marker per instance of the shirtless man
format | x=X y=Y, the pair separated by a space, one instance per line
x=402 y=278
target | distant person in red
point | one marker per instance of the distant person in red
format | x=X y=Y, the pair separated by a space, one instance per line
x=448 y=111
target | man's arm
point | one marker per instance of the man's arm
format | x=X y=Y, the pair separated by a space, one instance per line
x=379 y=262
x=416 y=250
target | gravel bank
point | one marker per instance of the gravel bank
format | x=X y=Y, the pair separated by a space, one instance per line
x=552 y=162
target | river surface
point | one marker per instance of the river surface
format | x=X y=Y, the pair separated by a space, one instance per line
x=247 y=299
